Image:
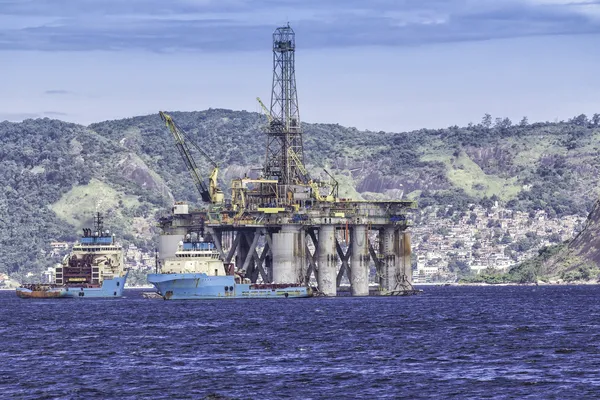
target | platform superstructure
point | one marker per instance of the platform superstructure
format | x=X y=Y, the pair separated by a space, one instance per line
x=286 y=226
x=94 y=268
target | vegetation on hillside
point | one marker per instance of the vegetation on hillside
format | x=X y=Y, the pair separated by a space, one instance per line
x=551 y=262
x=41 y=162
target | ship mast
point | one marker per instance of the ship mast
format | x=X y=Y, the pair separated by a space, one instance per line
x=98 y=225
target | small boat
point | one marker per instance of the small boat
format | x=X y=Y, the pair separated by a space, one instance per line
x=42 y=290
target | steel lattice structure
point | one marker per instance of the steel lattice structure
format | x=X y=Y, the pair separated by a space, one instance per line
x=285 y=158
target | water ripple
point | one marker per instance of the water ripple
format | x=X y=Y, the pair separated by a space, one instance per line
x=450 y=342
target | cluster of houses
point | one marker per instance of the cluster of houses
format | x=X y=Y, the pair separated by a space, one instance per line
x=482 y=239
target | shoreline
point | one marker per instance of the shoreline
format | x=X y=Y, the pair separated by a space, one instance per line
x=591 y=283
x=440 y=284
x=126 y=287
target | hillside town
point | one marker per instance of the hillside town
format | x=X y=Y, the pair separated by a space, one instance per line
x=497 y=238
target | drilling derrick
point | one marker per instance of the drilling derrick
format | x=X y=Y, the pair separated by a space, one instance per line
x=285 y=158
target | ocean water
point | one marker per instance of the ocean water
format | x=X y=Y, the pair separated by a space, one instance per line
x=448 y=342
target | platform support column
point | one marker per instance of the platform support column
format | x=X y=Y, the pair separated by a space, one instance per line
x=300 y=261
x=288 y=254
x=403 y=269
x=387 y=249
x=327 y=260
x=405 y=254
x=359 y=262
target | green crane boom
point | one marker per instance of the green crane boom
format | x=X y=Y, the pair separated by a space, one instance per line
x=265 y=110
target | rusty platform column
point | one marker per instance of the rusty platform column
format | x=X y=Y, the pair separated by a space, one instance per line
x=327 y=261
x=403 y=269
x=288 y=254
x=397 y=276
x=359 y=261
x=386 y=237
x=406 y=253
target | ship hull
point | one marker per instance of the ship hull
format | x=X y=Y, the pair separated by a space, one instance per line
x=203 y=287
x=52 y=293
x=111 y=288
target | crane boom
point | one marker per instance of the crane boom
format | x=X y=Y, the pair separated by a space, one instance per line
x=334 y=185
x=211 y=194
x=265 y=110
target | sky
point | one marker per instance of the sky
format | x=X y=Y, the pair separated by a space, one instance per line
x=392 y=65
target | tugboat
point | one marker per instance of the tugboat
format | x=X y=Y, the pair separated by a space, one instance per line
x=94 y=268
x=198 y=272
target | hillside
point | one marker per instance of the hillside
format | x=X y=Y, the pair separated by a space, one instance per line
x=576 y=260
x=54 y=172
x=549 y=166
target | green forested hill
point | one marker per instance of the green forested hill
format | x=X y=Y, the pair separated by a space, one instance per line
x=53 y=172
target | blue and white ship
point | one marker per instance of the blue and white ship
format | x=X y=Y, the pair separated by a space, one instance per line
x=94 y=268
x=197 y=272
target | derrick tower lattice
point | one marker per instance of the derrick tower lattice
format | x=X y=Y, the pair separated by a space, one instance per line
x=285 y=157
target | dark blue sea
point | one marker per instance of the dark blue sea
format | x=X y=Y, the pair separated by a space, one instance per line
x=448 y=342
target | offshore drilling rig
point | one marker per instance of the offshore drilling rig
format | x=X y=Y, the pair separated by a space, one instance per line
x=285 y=227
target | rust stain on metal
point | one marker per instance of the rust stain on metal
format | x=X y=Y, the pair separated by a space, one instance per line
x=38 y=294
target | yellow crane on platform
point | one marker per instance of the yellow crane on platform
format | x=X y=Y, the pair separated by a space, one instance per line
x=265 y=110
x=211 y=194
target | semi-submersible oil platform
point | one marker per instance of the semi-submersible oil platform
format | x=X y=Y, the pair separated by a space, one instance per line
x=284 y=227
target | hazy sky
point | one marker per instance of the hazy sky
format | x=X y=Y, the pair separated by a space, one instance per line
x=380 y=64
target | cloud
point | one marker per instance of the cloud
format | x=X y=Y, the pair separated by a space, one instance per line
x=233 y=25
x=55 y=114
x=57 y=91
